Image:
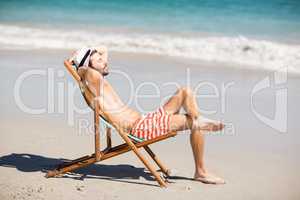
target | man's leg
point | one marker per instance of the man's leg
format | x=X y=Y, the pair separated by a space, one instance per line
x=179 y=122
x=201 y=174
x=184 y=98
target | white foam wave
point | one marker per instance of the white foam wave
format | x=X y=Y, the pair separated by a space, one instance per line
x=240 y=50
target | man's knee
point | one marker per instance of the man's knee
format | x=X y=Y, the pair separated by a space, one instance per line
x=186 y=91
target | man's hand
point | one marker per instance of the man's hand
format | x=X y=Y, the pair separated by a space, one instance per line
x=72 y=57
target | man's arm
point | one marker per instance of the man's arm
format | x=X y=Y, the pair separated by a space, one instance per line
x=71 y=69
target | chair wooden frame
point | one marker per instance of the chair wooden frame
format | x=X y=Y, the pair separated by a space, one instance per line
x=109 y=151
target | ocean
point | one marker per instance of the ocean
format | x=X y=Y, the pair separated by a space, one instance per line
x=261 y=34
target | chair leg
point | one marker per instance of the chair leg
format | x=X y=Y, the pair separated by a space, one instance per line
x=160 y=181
x=156 y=160
x=108 y=138
x=105 y=154
x=96 y=129
x=75 y=165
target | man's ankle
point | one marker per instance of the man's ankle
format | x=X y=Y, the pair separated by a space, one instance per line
x=200 y=171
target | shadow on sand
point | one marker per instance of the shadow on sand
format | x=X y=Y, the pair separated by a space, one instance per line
x=119 y=173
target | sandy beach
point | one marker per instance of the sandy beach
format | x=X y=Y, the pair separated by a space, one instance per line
x=256 y=160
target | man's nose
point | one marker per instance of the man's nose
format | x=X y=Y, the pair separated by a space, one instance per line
x=105 y=64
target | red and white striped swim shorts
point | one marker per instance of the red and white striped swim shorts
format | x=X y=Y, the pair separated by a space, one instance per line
x=151 y=125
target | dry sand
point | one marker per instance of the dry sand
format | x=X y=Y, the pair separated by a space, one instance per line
x=257 y=161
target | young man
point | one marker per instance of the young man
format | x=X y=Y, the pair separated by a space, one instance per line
x=92 y=66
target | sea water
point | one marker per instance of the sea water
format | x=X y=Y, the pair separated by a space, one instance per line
x=264 y=34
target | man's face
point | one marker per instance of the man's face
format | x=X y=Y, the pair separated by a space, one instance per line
x=99 y=61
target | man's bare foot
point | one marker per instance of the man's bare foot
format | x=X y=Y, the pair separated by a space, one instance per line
x=209 y=179
x=206 y=124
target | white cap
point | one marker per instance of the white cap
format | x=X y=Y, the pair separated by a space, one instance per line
x=81 y=54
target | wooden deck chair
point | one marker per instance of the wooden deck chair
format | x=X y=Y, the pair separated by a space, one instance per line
x=131 y=143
